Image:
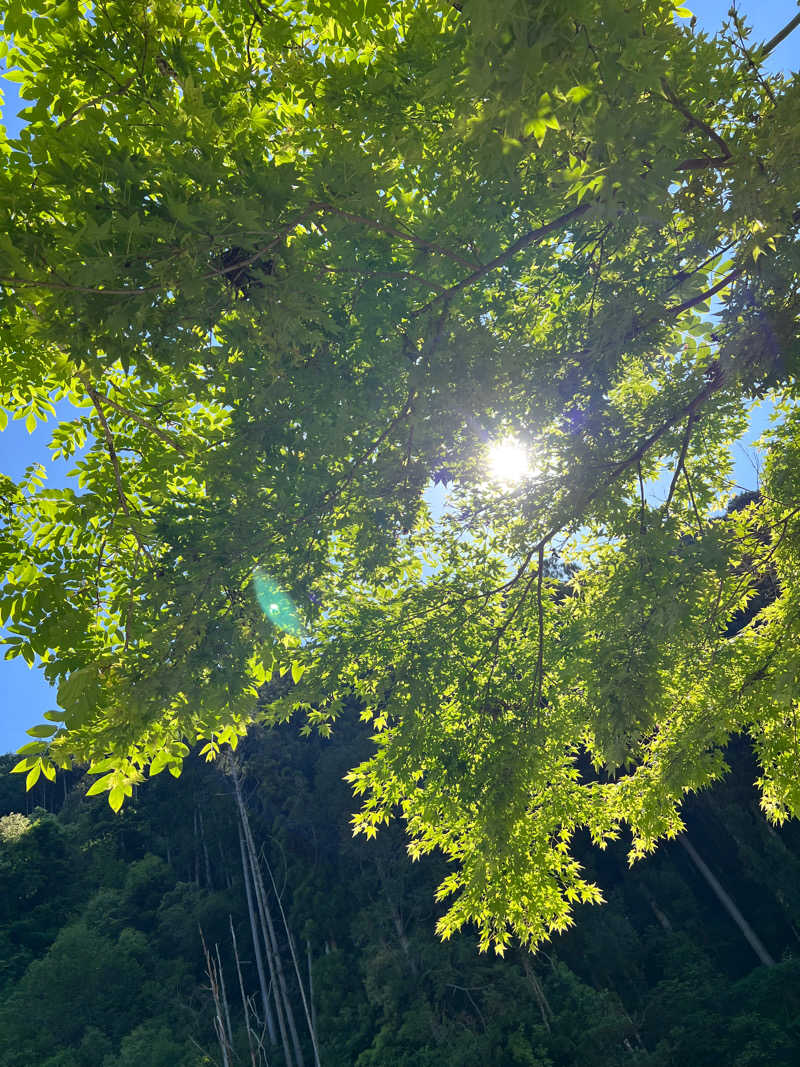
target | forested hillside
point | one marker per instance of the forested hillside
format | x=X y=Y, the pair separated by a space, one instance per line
x=103 y=917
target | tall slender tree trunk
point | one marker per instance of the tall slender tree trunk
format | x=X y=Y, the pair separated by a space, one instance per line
x=245 y=1005
x=224 y=866
x=659 y=914
x=545 y=1010
x=224 y=993
x=196 y=848
x=219 y=1024
x=261 y=896
x=749 y=933
x=206 y=862
x=311 y=988
x=309 y=1020
x=397 y=918
x=283 y=1005
x=257 y=941
x=270 y=955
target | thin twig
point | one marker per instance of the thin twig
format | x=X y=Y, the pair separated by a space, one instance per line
x=393 y=231
x=527 y=239
x=97 y=100
x=681 y=458
x=112 y=452
x=754 y=66
x=693 y=120
x=540 y=655
x=146 y=424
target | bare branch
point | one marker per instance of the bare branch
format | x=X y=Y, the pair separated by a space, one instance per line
x=642 y=523
x=704 y=162
x=677 y=309
x=781 y=35
x=694 y=502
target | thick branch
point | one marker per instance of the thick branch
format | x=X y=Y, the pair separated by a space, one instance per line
x=704 y=162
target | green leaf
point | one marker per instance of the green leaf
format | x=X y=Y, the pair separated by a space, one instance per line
x=578 y=93
x=23 y=765
x=33 y=776
x=100 y=786
x=42 y=731
x=159 y=762
x=103 y=766
x=31 y=747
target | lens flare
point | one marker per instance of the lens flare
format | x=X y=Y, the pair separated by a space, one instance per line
x=276 y=605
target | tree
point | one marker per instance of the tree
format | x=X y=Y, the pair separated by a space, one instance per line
x=292 y=264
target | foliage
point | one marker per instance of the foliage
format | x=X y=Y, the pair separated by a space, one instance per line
x=659 y=976
x=289 y=266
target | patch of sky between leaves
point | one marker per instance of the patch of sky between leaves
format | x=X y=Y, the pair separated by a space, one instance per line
x=21 y=449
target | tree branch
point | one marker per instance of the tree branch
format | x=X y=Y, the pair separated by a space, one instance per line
x=781 y=35
x=678 y=309
x=703 y=162
x=527 y=239
x=112 y=452
x=693 y=120
x=393 y=231
x=120 y=91
x=147 y=425
x=642 y=522
x=681 y=458
x=540 y=620
x=751 y=62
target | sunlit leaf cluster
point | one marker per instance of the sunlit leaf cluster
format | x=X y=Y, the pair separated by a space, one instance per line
x=281 y=269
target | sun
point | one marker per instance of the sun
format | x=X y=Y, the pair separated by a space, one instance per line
x=508 y=461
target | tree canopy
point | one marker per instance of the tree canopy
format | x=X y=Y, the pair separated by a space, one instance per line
x=293 y=264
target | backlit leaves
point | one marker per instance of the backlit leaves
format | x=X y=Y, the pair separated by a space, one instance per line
x=282 y=273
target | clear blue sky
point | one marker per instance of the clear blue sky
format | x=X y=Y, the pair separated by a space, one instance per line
x=24 y=695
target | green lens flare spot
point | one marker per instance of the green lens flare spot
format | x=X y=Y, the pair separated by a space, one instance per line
x=276 y=605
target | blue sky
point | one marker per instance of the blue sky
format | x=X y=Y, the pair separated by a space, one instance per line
x=24 y=695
